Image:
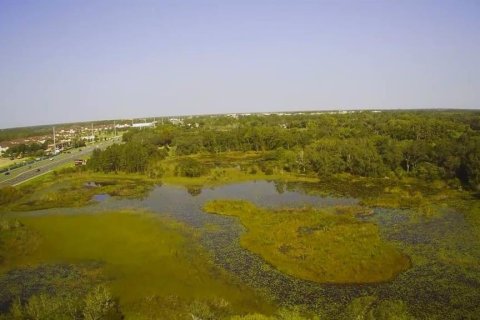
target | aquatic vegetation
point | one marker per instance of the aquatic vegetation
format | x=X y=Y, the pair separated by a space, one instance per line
x=141 y=255
x=372 y=308
x=59 y=281
x=224 y=168
x=15 y=240
x=96 y=304
x=281 y=314
x=327 y=246
x=77 y=189
x=443 y=247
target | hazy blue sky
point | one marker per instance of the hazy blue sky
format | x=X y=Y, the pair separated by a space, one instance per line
x=77 y=60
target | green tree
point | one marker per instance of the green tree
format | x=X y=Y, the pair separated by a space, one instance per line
x=190 y=168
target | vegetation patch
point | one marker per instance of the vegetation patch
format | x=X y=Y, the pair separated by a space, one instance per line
x=15 y=241
x=223 y=168
x=328 y=246
x=48 y=290
x=141 y=255
x=73 y=189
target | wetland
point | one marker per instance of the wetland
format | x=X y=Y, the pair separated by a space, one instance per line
x=301 y=216
x=271 y=246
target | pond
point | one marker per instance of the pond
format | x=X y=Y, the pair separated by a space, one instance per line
x=426 y=287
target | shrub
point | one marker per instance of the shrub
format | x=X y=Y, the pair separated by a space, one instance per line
x=99 y=304
x=190 y=168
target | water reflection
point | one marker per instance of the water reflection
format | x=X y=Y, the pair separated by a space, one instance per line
x=101 y=197
x=413 y=286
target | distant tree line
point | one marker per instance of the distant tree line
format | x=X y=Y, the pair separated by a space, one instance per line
x=24 y=132
x=424 y=144
x=26 y=150
x=36 y=149
x=131 y=157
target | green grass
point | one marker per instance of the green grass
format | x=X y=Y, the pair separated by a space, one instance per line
x=5 y=162
x=327 y=246
x=224 y=176
x=70 y=189
x=145 y=256
x=225 y=168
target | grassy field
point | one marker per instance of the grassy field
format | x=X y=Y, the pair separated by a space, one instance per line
x=5 y=162
x=144 y=257
x=327 y=246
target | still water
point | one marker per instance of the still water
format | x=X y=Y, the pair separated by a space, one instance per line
x=425 y=284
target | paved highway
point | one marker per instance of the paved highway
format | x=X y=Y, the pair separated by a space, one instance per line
x=25 y=173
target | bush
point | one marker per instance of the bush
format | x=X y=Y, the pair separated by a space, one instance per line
x=429 y=171
x=268 y=171
x=155 y=170
x=190 y=168
x=99 y=304
x=9 y=194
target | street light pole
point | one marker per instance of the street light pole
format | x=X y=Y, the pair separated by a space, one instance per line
x=54 y=142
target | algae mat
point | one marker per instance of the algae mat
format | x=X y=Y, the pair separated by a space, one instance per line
x=142 y=255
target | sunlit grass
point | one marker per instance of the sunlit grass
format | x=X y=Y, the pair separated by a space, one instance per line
x=328 y=245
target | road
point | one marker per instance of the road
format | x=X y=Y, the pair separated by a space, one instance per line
x=25 y=173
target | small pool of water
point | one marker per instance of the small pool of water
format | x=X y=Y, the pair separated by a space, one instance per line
x=101 y=197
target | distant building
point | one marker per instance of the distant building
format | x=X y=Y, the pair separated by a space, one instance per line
x=176 y=121
x=120 y=126
x=3 y=149
x=88 y=138
x=144 y=125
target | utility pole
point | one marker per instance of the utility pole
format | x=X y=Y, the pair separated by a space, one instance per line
x=54 y=142
x=114 y=128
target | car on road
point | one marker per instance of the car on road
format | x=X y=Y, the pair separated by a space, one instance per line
x=38 y=170
x=7 y=173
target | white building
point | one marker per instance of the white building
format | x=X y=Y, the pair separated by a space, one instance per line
x=88 y=138
x=3 y=149
x=144 y=125
x=176 y=121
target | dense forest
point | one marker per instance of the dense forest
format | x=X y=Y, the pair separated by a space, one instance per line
x=425 y=144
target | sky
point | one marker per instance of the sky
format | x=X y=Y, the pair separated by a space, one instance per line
x=68 y=61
